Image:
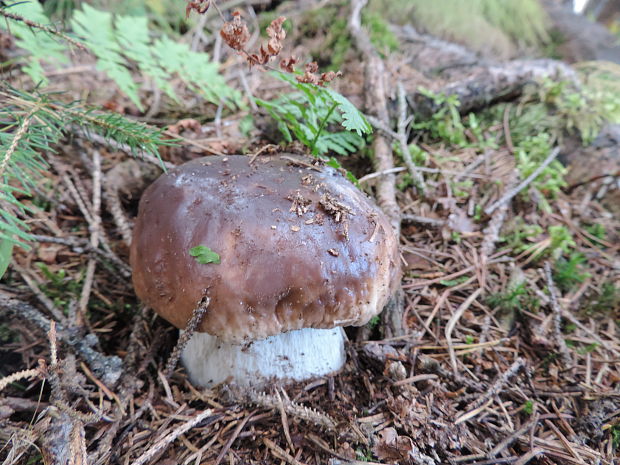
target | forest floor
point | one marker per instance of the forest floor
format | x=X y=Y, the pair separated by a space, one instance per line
x=507 y=348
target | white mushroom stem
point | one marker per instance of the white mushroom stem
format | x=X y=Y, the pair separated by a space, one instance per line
x=292 y=356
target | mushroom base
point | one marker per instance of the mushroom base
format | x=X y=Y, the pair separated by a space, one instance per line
x=292 y=356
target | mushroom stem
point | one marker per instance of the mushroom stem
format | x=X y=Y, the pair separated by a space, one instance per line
x=292 y=356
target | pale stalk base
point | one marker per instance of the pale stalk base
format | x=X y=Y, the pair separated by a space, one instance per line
x=292 y=356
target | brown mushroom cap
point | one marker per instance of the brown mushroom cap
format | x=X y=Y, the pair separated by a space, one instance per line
x=300 y=247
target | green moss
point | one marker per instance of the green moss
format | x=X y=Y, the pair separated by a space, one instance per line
x=501 y=26
x=567 y=272
x=330 y=22
x=381 y=36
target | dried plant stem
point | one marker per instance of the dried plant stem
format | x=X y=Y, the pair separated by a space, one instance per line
x=24 y=374
x=452 y=323
x=193 y=323
x=166 y=440
x=403 y=121
x=95 y=229
x=49 y=30
x=526 y=182
x=107 y=368
x=19 y=134
x=557 y=318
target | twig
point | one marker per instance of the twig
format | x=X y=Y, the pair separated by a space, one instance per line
x=232 y=438
x=422 y=169
x=43 y=27
x=423 y=220
x=98 y=139
x=166 y=440
x=95 y=228
x=107 y=367
x=34 y=287
x=452 y=323
x=192 y=324
x=376 y=91
x=24 y=374
x=298 y=411
x=375 y=87
x=19 y=134
x=512 y=437
x=418 y=179
x=557 y=317
x=82 y=246
x=280 y=453
x=510 y=194
x=502 y=381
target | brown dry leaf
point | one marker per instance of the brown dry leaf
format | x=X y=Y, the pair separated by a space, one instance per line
x=416 y=262
x=200 y=7
x=309 y=76
x=48 y=253
x=391 y=447
x=235 y=33
x=183 y=124
x=330 y=76
x=288 y=64
x=276 y=36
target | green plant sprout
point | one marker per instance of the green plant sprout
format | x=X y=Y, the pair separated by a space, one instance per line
x=566 y=271
x=204 y=255
x=309 y=114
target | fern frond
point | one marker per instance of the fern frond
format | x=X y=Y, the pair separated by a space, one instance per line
x=121 y=44
x=352 y=118
x=29 y=25
x=310 y=113
x=96 y=29
x=33 y=124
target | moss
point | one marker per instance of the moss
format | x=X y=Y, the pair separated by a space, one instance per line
x=330 y=22
x=501 y=26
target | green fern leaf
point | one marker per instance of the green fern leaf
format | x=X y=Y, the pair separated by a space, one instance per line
x=352 y=118
x=96 y=28
x=41 y=46
x=196 y=70
x=132 y=33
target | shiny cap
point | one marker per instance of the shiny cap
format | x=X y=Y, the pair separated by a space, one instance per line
x=299 y=246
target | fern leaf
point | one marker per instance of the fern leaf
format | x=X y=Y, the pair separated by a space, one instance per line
x=96 y=28
x=196 y=70
x=41 y=46
x=352 y=118
x=132 y=34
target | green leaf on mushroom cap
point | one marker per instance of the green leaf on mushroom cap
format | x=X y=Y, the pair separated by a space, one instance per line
x=204 y=255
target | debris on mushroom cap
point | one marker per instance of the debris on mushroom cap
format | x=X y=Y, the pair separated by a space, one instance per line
x=299 y=247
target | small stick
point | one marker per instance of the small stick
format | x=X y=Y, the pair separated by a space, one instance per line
x=106 y=367
x=280 y=453
x=232 y=438
x=95 y=228
x=418 y=179
x=284 y=418
x=166 y=440
x=34 y=287
x=526 y=182
x=197 y=316
x=452 y=323
x=502 y=381
x=557 y=317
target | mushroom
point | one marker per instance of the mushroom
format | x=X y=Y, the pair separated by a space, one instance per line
x=296 y=250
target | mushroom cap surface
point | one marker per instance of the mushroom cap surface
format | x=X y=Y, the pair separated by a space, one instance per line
x=300 y=247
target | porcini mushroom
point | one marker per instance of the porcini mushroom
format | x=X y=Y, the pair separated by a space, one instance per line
x=301 y=251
